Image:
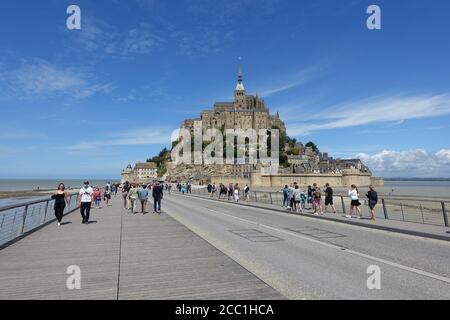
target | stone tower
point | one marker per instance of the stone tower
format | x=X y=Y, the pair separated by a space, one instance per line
x=239 y=92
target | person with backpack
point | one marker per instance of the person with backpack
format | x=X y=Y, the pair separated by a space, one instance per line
x=372 y=197
x=246 y=192
x=329 y=198
x=285 y=196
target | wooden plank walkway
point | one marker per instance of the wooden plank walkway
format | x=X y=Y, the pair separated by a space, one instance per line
x=123 y=256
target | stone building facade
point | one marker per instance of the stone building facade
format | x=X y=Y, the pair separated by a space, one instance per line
x=140 y=173
x=245 y=112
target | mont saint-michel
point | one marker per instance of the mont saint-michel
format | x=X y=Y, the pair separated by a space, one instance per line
x=298 y=162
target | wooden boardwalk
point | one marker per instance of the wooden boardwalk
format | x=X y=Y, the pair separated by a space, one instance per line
x=123 y=256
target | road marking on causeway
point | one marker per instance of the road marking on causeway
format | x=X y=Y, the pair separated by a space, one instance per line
x=342 y=249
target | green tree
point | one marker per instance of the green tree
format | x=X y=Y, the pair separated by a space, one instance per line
x=313 y=146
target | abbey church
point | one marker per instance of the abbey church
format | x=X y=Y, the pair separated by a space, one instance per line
x=245 y=112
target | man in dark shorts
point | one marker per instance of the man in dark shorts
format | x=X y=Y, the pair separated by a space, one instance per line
x=157 y=194
x=329 y=198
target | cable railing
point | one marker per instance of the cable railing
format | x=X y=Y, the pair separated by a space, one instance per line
x=19 y=219
x=417 y=210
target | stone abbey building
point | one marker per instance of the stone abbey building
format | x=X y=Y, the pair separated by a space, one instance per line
x=250 y=112
x=245 y=112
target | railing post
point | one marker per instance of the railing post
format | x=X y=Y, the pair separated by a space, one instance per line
x=256 y=197
x=24 y=217
x=343 y=205
x=270 y=196
x=45 y=213
x=386 y=216
x=444 y=212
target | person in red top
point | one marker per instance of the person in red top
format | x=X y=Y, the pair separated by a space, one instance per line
x=97 y=198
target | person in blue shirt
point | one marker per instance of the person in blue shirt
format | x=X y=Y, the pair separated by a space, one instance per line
x=143 y=197
x=285 y=196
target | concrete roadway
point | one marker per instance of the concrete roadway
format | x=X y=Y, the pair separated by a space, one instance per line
x=308 y=258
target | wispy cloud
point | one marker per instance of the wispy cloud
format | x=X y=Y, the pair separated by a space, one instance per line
x=410 y=163
x=142 y=136
x=374 y=110
x=39 y=77
x=99 y=36
x=298 y=79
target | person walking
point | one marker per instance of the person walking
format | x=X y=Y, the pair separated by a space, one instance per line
x=61 y=199
x=97 y=198
x=372 y=197
x=209 y=188
x=297 y=199
x=143 y=197
x=133 y=196
x=107 y=194
x=310 y=197
x=285 y=196
x=85 y=199
x=355 y=204
x=318 y=202
x=290 y=198
x=236 y=192
x=125 y=189
x=247 y=192
x=157 y=194
x=329 y=198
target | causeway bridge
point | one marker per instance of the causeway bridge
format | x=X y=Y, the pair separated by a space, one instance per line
x=203 y=248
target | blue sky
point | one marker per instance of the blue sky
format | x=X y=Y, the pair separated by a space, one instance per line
x=86 y=103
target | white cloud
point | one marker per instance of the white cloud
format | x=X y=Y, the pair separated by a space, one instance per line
x=410 y=163
x=369 y=111
x=102 y=37
x=301 y=78
x=40 y=77
x=142 y=136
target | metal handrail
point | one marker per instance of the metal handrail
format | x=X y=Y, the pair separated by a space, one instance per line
x=18 y=220
x=23 y=204
x=391 y=208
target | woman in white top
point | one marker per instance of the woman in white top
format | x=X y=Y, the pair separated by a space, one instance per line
x=236 y=192
x=353 y=193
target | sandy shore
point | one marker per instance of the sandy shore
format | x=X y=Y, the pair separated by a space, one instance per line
x=28 y=193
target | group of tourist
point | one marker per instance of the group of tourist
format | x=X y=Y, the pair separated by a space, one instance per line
x=320 y=201
x=230 y=192
x=91 y=197
x=296 y=199
x=133 y=193
x=184 y=188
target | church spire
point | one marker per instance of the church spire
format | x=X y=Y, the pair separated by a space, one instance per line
x=240 y=84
